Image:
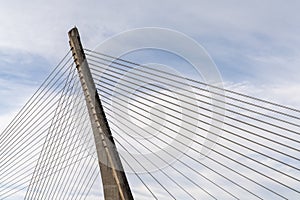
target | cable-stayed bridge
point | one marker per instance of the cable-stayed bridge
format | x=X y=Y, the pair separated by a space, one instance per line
x=85 y=134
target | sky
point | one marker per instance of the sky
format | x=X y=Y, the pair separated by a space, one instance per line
x=255 y=44
x=252 y=42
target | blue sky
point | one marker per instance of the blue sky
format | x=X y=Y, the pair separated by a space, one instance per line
x=255 y=44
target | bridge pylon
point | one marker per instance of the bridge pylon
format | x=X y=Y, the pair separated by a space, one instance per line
x=115 y=184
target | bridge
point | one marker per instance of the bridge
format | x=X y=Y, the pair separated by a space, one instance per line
x=85 y=135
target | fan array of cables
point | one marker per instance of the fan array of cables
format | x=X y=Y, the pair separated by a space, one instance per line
x=47 y=151
x=178 y=138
